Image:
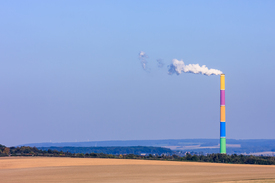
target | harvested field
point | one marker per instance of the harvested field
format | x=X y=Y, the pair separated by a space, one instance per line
x=47 y=169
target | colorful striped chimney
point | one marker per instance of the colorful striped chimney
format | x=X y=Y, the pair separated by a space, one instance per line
x=222 y=122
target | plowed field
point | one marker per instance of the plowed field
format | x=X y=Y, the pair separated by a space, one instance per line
x=47 y=169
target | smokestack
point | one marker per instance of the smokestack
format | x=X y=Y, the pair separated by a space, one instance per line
x=222 y=121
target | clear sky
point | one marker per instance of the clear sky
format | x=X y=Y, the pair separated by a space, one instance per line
x=70 y=70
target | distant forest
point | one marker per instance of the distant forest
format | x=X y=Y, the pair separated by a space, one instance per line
x=186 y=145
x=215 y=158
x=113 y=150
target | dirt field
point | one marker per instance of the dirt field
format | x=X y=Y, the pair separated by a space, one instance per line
x=36 y=169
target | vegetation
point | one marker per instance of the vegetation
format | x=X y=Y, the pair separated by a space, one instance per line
x=217 y=158
x=113 y=150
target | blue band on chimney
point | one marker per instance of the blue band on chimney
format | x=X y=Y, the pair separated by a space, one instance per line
x=222 y=129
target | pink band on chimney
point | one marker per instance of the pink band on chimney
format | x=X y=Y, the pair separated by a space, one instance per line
x=222 y=97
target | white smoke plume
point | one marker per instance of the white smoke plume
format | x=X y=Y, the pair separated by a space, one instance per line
x=178 y=67
x=142 y=57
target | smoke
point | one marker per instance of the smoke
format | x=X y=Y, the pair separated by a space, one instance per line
x=178 y=67
x=142 y=57
x=160 y=63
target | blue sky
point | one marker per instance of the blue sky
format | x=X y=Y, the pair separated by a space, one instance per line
x=70 y=70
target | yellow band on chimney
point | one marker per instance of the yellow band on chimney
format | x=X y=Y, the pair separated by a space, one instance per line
x=222 y=82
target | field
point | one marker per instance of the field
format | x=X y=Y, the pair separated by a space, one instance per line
x=47 y=169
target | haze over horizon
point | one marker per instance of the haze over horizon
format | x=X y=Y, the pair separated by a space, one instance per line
x=71 y=70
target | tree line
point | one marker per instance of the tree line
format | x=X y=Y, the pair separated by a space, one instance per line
x=215 y=158
x=113 y=150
